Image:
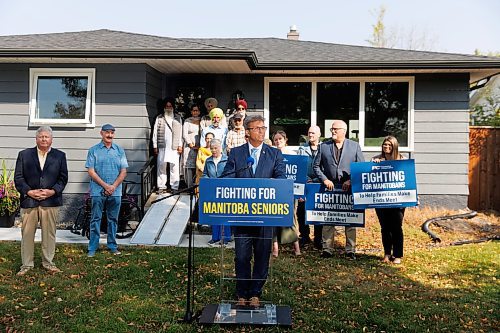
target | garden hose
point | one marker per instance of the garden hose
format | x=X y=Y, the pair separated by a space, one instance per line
x=427 y=223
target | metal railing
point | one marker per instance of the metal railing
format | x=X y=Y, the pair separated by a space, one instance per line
x=148 y=181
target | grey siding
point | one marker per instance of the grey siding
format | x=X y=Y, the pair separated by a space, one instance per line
x=442 y=137
x=122 y=92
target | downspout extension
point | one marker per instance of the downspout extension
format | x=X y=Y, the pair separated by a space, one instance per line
x=427 y=223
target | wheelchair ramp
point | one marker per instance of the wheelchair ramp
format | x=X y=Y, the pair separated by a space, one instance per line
x=175 y=225
x=164 y=222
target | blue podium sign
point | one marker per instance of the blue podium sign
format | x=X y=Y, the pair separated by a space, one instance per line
x=296 y=170
x=331 y=207
x=246 y=201
x=384 y=185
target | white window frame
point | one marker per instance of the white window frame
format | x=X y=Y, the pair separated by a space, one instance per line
x=89 y=120
x=362 y=81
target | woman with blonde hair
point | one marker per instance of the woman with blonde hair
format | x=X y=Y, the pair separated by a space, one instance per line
x=203 y=154
x=391 y=219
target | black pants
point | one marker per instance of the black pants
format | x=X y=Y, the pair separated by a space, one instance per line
x=391 y=223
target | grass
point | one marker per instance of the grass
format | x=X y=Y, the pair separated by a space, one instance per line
x=438 y=287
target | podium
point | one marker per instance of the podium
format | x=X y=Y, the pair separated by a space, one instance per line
x=228 y=312
x=249 y=210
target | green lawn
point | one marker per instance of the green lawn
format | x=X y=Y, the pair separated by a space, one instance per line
x=449 y=289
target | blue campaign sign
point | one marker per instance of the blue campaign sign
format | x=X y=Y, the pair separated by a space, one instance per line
x=296 y=170
x=331 y=207
x=246 y=202
x=384 y=185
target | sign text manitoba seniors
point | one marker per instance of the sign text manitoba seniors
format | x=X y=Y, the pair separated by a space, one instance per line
x=246 y=201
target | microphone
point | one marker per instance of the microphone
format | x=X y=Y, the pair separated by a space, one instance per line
x=250 y=163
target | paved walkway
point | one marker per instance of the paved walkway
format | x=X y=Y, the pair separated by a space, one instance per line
x=67 y=237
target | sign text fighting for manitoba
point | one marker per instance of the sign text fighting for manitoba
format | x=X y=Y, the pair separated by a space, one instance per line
x=385 y=184
x=331 y=207
x=246 y=201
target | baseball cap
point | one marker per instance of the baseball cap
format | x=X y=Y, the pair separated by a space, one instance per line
x=107 y=127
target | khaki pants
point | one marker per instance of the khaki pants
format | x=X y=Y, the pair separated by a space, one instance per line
x=47 y=216
x=328 y=238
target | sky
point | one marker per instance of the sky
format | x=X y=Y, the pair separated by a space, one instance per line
x=454 y=26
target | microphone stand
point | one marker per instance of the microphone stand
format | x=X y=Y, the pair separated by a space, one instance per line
x=188 y=314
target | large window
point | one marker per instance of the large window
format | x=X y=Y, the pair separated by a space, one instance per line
x=62 y=97
x=372 y=107
x=291 y=105
x=386 y=112
x=338 y=100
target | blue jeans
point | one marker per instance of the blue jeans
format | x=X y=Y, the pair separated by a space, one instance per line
x=112 y=205
x=248 y=241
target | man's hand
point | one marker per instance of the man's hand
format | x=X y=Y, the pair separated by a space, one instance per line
x=346 y=186
x=329 y=184
x=41 y=194
x=179 y=150
x=109 y=189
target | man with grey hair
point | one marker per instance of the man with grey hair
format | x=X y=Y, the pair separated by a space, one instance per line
x=332 y=166
x=309 y=149
x=253 y=241
x=41 y=175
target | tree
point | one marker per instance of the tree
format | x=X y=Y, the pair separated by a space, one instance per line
x=485 y=102
x=397 y=37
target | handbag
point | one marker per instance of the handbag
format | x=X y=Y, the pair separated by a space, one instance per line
x=288 y=235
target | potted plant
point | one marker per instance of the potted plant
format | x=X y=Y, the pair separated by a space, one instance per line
x=9 y=198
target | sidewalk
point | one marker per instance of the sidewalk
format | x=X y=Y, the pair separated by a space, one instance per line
x=67 y=237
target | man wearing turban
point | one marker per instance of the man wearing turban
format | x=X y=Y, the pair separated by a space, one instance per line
x=219 y=132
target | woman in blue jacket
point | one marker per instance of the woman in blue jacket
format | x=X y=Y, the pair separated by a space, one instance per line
x=214 y=166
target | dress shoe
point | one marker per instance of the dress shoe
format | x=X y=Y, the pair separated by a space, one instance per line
x=52 y=269
x=254 y=302
x=23 y=270
x=351 y=256
x=326 y=254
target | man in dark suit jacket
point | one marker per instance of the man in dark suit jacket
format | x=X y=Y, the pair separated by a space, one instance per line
x=41 y=175
x=268 y=163
x=332 y=165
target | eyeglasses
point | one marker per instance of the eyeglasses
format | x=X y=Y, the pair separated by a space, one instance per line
x=255 y=129
x=241 y=109
x=336 y=129
x=238 y=119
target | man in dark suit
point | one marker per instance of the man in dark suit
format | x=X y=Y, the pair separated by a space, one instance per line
x=268 y=163
x=40 y=177
x=332 y=166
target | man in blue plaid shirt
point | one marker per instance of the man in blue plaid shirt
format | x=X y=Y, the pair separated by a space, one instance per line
x=107 y=167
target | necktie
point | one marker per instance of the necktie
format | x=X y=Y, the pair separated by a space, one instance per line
x=254 y=155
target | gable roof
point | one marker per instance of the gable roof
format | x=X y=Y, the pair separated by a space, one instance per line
x=260 y=53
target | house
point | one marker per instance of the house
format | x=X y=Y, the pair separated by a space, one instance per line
x=77 y=81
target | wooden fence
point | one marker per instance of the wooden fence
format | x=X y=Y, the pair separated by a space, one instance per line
x=484 y=167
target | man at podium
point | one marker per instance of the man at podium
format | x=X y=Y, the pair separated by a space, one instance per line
x=253 y=160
